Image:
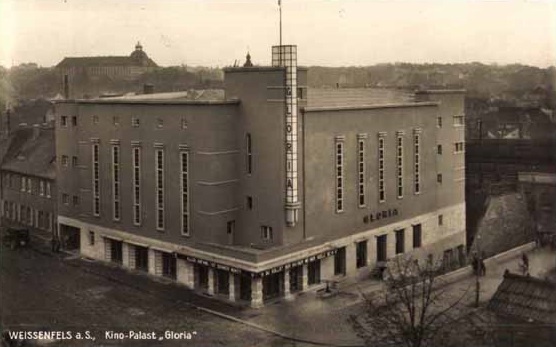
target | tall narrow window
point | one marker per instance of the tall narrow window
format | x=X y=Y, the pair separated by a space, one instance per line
x=136 y=152
x=184 y=192
x=417 y=236
x=159 y=155
x=417 y=161
x=339 y=174
x=381 y=185
x=361 y=169
x=399 y=164
x=116 y=182
x=96 y=180
x=249 y=154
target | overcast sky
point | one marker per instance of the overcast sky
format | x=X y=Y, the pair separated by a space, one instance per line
x=330 y=33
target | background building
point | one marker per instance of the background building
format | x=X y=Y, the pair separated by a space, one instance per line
x=259 y=191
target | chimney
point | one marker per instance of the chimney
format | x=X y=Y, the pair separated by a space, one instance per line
x=66 y=87
x=148 y=88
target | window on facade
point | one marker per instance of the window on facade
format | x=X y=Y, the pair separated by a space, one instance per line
x=185 y=192
x=64 y=121
x=249 y=203
x=91 y=238
x=438 y=149
x=135 y=122
x=439 y=178
x=136 y=152
x=381 y=184
x=266 y=233
x=74 y=121
x=29 y=185
x=361 y=254
x=381 y=250
x=339 y=175
x=361 y=171
x=41 y=188
x=417 y=161
x=184 y=123
x=458 y=147
x=439 y=122
x=159 y=122
x=458 y=120
x=48 y=189
x=96 y=180
x=400 y=241
x=64 y=160
x=74 y=161
x=23 y=184
x=230 y=227
x=417 y=236
x=116 y=182
x=249 y=154
x=440 y=219
x=75 y=200
x=65 y=199
x=95 y=119
x=399 y=166
x=159 y=165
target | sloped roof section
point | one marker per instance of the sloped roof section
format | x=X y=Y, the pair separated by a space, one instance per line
x=525 y=297
x=32 y=152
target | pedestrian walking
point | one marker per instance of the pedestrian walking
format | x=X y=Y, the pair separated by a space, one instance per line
x=525 y=263
x=483 y=267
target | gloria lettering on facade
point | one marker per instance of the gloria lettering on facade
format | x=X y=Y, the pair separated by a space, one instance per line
x=373 y=217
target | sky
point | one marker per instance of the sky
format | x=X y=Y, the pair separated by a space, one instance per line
x=327 y=33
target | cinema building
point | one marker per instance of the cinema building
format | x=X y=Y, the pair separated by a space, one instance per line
x=257 y=192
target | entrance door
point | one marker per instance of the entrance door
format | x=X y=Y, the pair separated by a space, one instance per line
x=222 y=282
x=340 y=262
x=381 y=248
x=142 y=258
x=116 y=251
x=168 y=265
x=296 y=278
x=245 y=287
x=271 y=285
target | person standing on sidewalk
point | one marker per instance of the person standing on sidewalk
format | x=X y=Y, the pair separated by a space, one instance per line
x=525 y=263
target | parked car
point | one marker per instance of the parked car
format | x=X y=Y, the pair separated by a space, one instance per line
x=16 y=237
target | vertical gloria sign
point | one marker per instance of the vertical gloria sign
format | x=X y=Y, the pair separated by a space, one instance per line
x=286 y=56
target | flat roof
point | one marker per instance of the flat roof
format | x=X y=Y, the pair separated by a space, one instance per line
x=338 y=97
x=190 y=97
x=441 y=91
x=370 y=107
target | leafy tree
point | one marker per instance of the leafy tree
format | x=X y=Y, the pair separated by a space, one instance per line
x=413 y=310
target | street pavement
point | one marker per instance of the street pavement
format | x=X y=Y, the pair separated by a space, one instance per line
x=43 y=290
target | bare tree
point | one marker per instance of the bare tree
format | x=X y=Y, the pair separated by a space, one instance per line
x=413 y=310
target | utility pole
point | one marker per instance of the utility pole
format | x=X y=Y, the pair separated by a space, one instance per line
x=478 y=271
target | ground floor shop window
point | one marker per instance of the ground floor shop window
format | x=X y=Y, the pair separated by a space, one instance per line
x=361 y=254
x=340 y=261
x=245 y=287
x=313 y=275
x=116 y=254
x=202 y=276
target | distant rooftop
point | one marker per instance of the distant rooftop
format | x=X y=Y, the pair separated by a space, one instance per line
x=204 y=96
x=354 y=97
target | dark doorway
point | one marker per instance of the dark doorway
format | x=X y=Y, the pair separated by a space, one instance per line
x=340 y=261
x=70 y=237
x=361 y=254
x=168 y=265
x=202 y=273
x=116 y=255
x=400 y=241
x=296 y=279
x=381 y=248
x=222 y=282
x=245 y=287
x=141 y=258
x=272 y=285
x=313 y=275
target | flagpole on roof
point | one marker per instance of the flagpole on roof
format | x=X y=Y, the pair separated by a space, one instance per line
x=280 y=49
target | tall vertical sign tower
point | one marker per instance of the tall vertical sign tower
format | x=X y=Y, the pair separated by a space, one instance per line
x=286 y=56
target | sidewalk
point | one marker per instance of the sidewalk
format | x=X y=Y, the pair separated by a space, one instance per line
x=310 y=318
